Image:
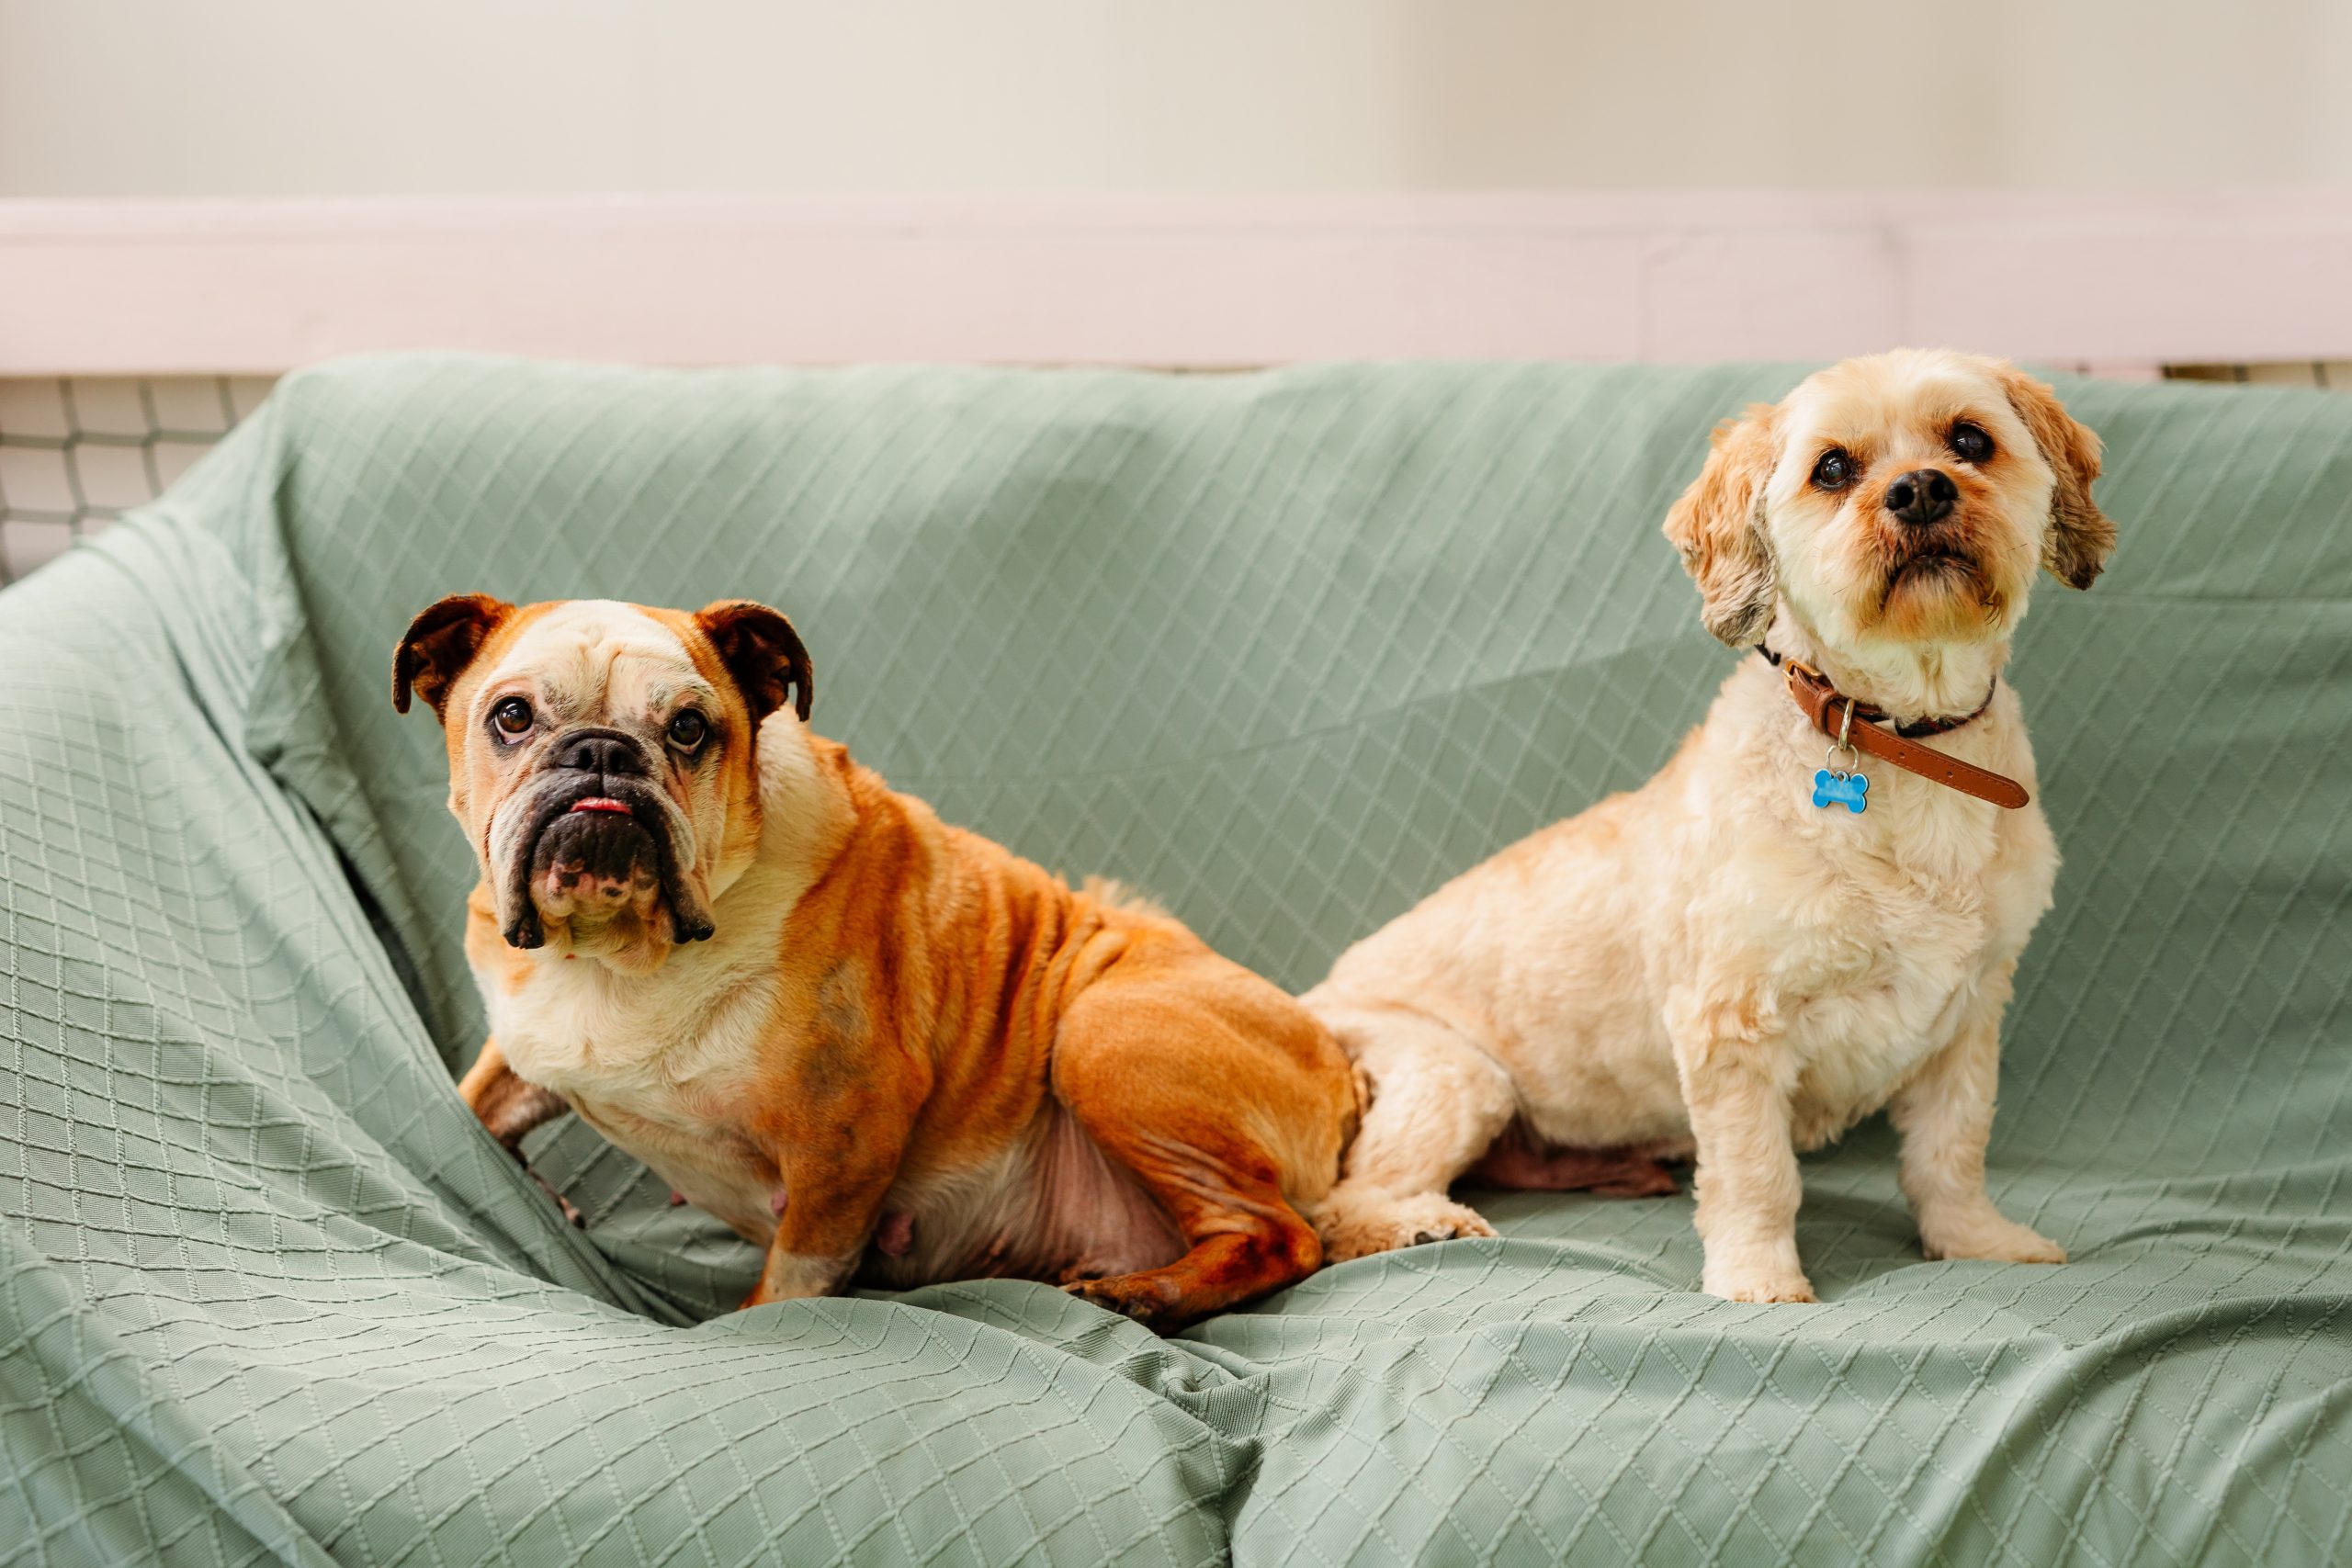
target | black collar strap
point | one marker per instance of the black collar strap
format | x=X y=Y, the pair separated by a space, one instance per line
x=1910 y=730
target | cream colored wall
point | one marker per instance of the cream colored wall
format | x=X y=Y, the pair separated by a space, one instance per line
x=333 y=97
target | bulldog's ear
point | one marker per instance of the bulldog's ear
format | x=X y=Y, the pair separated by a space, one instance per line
x=763 y=652
x=439 y=645
x=1719 y=527
x=2080 y=538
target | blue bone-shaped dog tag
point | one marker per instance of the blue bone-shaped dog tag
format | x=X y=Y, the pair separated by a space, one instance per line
x=1849 y=790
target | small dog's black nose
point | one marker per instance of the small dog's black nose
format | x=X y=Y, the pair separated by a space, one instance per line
x=605 y=752
x=1922 y=496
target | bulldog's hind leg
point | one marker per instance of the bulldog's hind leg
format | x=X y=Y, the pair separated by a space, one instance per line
x=1437 y=1104
x=1227 y=1106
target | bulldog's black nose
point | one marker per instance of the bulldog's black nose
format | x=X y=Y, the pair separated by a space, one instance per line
x=605 y=752
x=1922 y=496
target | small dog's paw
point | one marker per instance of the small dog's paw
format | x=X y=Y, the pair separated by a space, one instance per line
x=1763 y=1288
x=1990 y=1240
x=1361 y=1228
x=1754 y=1278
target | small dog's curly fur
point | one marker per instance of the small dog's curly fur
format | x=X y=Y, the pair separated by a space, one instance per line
x=1711 y=964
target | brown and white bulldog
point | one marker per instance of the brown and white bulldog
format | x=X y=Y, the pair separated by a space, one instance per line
x=882 y=1047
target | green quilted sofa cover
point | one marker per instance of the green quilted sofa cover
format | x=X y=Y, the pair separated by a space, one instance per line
x=1286 y=650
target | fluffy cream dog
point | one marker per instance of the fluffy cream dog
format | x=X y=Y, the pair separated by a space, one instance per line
x=1715 y=963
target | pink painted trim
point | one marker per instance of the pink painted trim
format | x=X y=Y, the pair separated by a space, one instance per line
x=2131 y=280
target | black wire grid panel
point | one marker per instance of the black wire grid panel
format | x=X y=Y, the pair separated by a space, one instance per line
x=77 y=452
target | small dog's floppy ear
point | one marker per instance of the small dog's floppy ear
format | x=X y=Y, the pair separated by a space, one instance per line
x=763 y=652
x=439 y=645
x=1719 y=527
x=2080 y=537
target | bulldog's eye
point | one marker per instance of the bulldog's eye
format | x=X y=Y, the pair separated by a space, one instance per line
x=686 y=730
x=1835 y=471
x=1968 y=443
x=512 y=719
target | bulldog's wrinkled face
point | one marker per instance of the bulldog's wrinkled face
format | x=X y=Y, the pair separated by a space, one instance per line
x=602 y=758
x=1899 y=498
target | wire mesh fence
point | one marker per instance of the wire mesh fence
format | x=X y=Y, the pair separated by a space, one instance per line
x=77 y=452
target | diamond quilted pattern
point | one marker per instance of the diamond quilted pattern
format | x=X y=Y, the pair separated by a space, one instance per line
x=1287 y=649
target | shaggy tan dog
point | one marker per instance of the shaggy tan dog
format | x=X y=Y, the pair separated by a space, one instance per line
x=1716 y=962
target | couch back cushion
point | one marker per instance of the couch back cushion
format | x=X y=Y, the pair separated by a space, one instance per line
x=1288 y=650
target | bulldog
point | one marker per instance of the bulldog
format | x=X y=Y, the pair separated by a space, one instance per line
x=881 y=1048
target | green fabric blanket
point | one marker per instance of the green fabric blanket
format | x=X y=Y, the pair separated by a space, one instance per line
x=1286 y=650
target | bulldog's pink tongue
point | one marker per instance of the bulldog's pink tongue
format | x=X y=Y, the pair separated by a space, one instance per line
x=600 y=803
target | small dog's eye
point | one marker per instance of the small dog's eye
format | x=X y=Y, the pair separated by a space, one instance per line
x=1971 y=445
x=686 y=730
x=1835 y=471
x=512 y=718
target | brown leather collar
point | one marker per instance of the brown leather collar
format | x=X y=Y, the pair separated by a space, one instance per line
x=1910 y=729
x=1856 y=724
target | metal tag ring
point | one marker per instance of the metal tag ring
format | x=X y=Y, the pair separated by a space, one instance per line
x=1853 y=760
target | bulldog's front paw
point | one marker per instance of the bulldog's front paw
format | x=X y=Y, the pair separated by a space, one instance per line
x=795 y=1277
x=1987 y=1238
